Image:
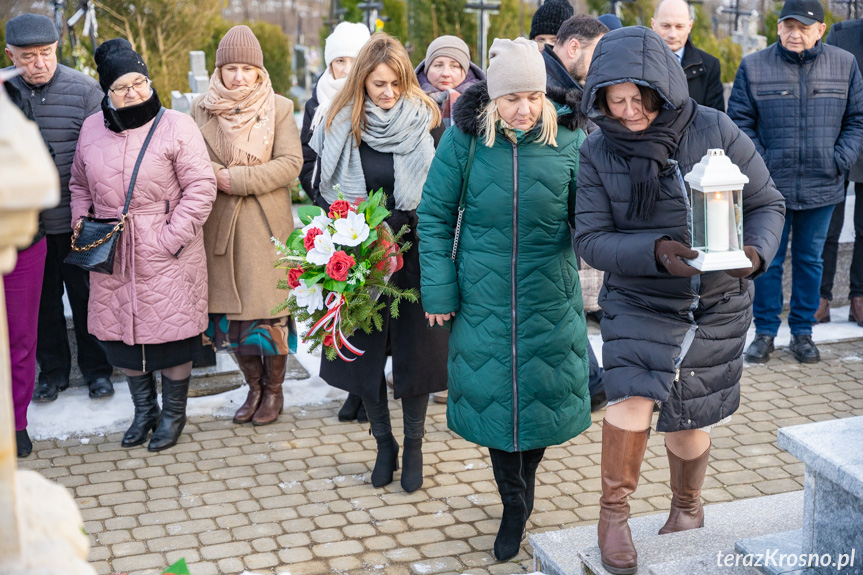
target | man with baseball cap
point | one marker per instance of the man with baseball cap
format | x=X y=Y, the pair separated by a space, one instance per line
x=801 y=103
x=59 y=99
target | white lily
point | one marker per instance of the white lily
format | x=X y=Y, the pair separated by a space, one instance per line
x=309 y=297
x=352 y=230
x=321 y=222
x=322 y=252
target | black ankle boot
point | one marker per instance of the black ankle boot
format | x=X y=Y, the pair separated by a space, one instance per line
x=23 y=443
x=142 y=388
x=387 y=461
x=412 y=465
x=511 y=486
x=760 y=349
x=175 y=393
x=351 y=408
x=804 y=349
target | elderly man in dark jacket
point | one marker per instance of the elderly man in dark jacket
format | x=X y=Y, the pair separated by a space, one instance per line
x=60 y=99
x=801 y=103
x=673 y=20
x=672 y=337
x=847 y=35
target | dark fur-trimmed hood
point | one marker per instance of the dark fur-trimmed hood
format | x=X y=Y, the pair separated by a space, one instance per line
x=468 y=109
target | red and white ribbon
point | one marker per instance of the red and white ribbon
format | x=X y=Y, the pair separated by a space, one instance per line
x=332 y=323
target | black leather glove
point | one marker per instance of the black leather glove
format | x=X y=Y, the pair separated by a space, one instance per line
x=669 y=254
x=746 y=272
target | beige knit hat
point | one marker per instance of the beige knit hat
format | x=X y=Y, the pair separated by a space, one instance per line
x=515 y=66
x=239 y=46
x=451 y=47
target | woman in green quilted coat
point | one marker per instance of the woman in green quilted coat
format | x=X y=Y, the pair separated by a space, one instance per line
x=518 y=349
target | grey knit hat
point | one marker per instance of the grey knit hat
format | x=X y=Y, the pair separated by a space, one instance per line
x=451 y=47
x=515 y=66
x=30 y=30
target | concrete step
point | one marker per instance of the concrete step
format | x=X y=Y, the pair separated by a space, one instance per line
x=574 y=551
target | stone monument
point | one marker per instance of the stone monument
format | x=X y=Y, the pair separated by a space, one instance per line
x=747 y=34
x=199 y=82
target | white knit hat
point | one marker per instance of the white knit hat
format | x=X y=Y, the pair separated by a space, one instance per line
x=345 y=41
x=515 y=66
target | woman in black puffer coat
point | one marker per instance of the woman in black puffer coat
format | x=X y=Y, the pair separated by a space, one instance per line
x=672 y=337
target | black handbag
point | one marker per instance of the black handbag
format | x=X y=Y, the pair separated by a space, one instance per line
x=94 y=240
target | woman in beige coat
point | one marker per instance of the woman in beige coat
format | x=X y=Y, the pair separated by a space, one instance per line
x=255 y=149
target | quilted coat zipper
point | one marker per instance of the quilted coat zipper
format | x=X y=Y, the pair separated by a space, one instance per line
x=513 y=270
x=694 y=282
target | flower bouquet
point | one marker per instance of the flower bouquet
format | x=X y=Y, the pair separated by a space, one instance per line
x=338 y=265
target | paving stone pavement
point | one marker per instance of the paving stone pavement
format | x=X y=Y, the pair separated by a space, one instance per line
x=295 y=497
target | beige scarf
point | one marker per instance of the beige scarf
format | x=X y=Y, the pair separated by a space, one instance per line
x=246 y=120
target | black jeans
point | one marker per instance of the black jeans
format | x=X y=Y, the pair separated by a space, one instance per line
x=52 y=346
x=414 y=409
x=831 y=247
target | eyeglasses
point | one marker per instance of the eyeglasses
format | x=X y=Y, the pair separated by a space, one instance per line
x=138 y=86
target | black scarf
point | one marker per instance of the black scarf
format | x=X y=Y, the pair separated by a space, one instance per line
x=130 y=117
x=648 y=152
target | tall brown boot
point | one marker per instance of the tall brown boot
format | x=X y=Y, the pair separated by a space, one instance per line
x=622 y=454
x=856 y=313
x=253 y=370
x=273 y=400
x=687 y=477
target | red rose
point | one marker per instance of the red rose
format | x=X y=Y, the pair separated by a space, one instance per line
x=309 y=240
x=393 y=261
x=339 y=208
x=339 y=265
x=294 y=277
x=328 y=340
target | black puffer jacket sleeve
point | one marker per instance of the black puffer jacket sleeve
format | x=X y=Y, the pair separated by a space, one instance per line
x=310 y=158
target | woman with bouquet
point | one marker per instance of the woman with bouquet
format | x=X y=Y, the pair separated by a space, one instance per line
x=518 y=362
x=340 y=50
x=255 y=150
x=377 y=136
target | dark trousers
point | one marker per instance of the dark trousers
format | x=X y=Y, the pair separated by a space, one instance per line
x=595 y=373
x=52 y=349
x=414 y=409
x=831 y=247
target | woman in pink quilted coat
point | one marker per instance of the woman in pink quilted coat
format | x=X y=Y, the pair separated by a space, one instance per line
x=150 y=312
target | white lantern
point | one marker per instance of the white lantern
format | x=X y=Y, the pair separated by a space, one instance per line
x=716 y=202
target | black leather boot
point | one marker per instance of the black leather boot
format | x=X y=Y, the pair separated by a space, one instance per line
x=387 y=461
x=760 y=348
x=142 y=388
x=412 y=465
x=804 y=349
x=175 y=393
x=529 y=464
x=351 y=408
x=23 y=443
x=510 y=484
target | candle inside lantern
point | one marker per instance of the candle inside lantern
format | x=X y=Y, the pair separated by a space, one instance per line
x=718 y=222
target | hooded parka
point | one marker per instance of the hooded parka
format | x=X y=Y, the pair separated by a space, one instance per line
x=518 y=349
x=676 y=340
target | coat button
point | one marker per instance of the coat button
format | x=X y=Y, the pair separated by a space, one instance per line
x=691 y=373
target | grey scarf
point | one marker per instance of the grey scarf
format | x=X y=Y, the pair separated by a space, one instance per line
x=402 y=131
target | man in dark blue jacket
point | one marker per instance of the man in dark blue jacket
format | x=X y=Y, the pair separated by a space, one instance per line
x=801 y=103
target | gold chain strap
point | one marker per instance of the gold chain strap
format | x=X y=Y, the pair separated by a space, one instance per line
x=119 y=227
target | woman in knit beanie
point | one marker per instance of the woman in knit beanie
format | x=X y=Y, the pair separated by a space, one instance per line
x=255 y=151
x=547 y=20
x=340 y=50
x=518 y=366
x=444 y=75
x=149 y=313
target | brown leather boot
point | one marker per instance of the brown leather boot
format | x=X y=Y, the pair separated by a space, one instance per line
x=253 y=370
x=622 y=453
x=822 y=315
x=273 y=400
x=856 y=313
x=687 y=477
